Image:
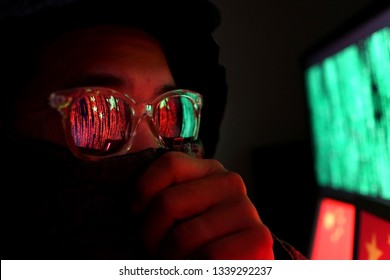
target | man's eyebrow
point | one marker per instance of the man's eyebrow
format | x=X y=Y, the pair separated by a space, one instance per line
x=109 y=80
x=166 y=87
x=95 y=79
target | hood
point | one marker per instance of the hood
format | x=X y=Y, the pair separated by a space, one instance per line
x=184 y=28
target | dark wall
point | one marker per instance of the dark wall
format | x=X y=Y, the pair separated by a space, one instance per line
x=288 y=196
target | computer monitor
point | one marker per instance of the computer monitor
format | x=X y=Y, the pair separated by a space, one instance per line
x=347 y=83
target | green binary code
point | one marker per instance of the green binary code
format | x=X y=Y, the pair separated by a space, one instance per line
x=349 y=103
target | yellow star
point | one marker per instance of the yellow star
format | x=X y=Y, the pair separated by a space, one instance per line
x=334 y=221
x=374 y=253
x=112 y=101
x=388 y=239
x=329 y=220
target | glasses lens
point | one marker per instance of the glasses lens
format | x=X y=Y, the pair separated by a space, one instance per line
x=177 y=116
x=100 y=123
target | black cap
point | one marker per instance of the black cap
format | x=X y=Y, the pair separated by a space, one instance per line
x=184 y=27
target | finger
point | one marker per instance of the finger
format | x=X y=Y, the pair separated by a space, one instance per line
x=251 y=244
x=169 y=169
x=189 y=199
x=187 y=237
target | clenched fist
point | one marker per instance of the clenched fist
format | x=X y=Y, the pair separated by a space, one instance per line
x=196 y=209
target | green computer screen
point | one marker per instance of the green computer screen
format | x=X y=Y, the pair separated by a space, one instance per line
x=348 y=89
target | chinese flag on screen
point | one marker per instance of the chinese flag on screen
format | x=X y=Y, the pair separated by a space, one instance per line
x=334 y=234
x=374 y=238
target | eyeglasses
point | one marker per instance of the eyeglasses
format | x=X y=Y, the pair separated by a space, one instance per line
x=101 y=122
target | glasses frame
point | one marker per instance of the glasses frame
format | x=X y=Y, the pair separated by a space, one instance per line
x=61 y=101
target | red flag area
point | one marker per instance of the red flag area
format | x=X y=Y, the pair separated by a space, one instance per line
x=374 y=238
x=334 y=235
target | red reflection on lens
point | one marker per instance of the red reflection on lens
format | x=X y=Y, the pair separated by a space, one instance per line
x=169 y=114
x=100 y=123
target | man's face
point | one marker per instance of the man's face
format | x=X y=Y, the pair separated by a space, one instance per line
x=90 y=199
x=124 y=59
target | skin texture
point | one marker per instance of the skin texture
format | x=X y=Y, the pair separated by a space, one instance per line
x=191 y=208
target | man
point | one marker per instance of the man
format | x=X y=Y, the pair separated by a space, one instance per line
x=100 y=131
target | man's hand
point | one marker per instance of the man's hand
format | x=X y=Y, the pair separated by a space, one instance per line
x=196 y=209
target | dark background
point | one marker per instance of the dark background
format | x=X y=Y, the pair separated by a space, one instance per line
x=265 y=134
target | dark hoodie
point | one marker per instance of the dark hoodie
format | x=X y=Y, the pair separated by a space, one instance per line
x=56 y=206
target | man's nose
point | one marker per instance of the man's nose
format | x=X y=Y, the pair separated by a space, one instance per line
x=144 y=137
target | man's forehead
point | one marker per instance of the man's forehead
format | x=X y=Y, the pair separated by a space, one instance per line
x=109 y=32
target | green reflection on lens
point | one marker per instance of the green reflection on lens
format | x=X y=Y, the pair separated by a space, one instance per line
x=189 y=124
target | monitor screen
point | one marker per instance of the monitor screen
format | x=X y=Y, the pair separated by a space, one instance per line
x=347 y=83
x=347 y=80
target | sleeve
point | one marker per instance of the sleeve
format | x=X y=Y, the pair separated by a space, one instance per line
x=285 y=251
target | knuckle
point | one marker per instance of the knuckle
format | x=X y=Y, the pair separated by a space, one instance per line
x=236 y=181
x=250 y=211
x=215 y=165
